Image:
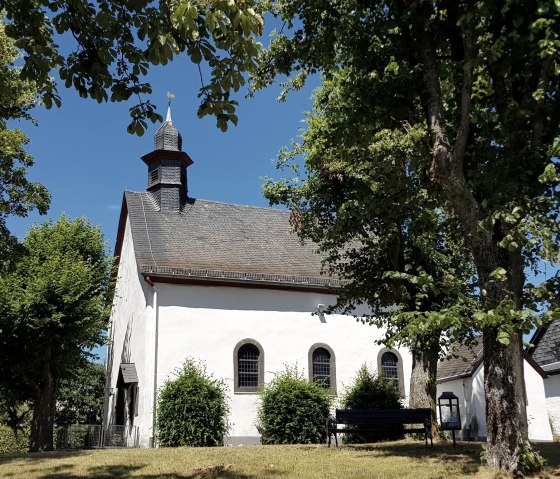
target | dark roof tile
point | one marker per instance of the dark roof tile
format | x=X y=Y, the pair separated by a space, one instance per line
x=222 y=241
x=463 y=363
x=547 y=345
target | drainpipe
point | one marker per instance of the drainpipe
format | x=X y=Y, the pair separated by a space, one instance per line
x=154 y=400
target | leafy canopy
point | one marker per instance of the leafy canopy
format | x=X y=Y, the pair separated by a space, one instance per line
x=80 y=396
x=447 y=109
x=115 y=43
x=54 y=304
x=18 y=195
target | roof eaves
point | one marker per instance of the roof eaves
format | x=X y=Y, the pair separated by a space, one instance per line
x=455 y=376
x=241 y=277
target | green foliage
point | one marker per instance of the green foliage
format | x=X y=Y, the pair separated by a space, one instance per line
x=293 y=410
x=11 y=443
x=115 y=43
x=53 y=310
x=370 y=391
x=192 y=409
x=474 y=88
x=18 y=196
x=80 y=396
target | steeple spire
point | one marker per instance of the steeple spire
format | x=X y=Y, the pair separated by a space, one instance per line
x=170 y=97
x=167 y=166
x=167 y=137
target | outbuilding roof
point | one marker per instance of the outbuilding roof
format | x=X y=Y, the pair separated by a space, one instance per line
x=546 y=352
x=465 y=360
x=462 y=363
x=208 y=240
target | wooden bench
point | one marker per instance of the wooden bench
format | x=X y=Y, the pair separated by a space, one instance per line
x=379 y=420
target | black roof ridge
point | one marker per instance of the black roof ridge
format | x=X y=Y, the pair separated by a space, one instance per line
x=190 y=200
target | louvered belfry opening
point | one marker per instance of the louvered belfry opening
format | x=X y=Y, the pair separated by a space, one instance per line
x=167 y=168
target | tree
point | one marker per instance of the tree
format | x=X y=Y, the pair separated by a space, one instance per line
x=479 y=81
x=116 y=43
x=80 y=396
x=18 y=196
x=52 y=313
x=391 y=245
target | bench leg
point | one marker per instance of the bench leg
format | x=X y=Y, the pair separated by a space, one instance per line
x=329 y=438
x=336 y=439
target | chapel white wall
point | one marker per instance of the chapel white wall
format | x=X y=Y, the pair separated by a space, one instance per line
x=552 y=393
x=129 y=341
x=206 y=322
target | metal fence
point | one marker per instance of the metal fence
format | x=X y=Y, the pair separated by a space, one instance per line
x=88 y=436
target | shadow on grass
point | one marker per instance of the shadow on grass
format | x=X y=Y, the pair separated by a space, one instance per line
x=37 y=457
x=218 y=471
x=465 y=456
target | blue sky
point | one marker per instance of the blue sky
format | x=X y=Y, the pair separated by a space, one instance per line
x=86 y=159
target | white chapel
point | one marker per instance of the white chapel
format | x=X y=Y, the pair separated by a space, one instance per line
x=226 y=284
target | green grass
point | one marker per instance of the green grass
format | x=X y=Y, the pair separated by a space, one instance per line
x=403 y=459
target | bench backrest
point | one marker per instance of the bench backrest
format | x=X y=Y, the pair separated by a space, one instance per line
x=383 y=416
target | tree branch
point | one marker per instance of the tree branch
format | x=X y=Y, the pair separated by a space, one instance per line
x=544 y=78
x=466 y=91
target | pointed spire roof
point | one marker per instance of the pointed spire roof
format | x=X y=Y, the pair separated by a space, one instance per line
x=168 y=137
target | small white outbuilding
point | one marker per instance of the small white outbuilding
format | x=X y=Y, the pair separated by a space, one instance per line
x=463 y=375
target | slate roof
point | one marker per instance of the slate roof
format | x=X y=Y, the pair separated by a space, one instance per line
x=463 y=365
x=546 y=352
x=220 y=241
x=467 y=361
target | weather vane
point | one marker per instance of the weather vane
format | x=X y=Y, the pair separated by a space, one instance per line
x=170 y=97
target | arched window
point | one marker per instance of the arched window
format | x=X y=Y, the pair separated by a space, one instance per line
x=248 y=364
x=389 y=365
x=322 y=366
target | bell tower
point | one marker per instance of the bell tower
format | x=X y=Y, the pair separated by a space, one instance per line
x=167 y=166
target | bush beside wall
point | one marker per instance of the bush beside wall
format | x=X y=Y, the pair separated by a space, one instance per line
x=369 y=391
x=293 y=410
x=192 y=409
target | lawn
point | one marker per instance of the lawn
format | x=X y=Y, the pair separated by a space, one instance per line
x=403 y=459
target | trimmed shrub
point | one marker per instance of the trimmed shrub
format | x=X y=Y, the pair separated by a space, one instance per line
x=10 y=444
x=293 y=410
x=371 y=391
x=192 y=408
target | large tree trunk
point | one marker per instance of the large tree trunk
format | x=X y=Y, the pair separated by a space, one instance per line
x=423 y=386
x=506 y=413
x=42 y=424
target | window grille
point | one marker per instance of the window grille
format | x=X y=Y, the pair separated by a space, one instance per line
x=322 y=367
x=248 y=366
x=389 y=368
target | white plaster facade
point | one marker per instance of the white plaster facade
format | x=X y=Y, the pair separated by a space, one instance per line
x=472 y=404
x=552 y=393
x=157 y=327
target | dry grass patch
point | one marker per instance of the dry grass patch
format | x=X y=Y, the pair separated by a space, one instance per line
x=398 y=460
